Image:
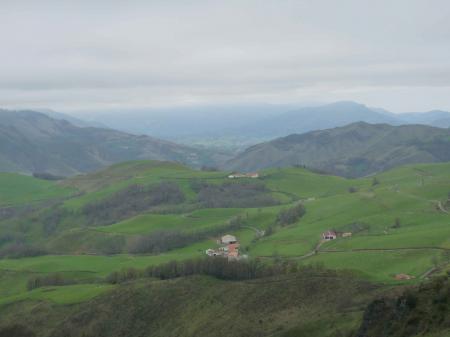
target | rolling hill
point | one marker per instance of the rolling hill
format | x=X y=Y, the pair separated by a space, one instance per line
x=396 y=223
x=32 y=142
x=354 y=150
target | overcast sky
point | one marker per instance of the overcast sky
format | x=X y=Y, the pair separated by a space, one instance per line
x=71 y=55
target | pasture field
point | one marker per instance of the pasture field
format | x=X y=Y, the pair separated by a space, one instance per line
x=394 y=219
x=16 y=189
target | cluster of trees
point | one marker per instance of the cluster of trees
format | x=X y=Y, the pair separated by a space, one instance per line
x=218 y=267
x=290 y=215
x=286 y=217
x=52 y=217
x=47 y=176
x=131 y=201
x=162 y=241
x=16 y=250
x=48 y=280
x=233 y=194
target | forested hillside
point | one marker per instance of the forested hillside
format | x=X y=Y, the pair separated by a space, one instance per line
x=354 y=150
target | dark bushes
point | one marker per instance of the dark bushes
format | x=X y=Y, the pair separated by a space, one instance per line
x=217 y=267
x=48 y=280
x=290 y=215
x=131 y=201
x=47 y=176
x=18 y=249
x=162 y=241
x=233 y=194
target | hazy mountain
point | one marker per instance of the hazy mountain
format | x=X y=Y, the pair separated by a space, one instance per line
x=354 y=150
x=73 y=120
x=33 y=142
x=191 y=125
x=238 y=126
x=437 y=118
x=214 y=120
x=318 y=118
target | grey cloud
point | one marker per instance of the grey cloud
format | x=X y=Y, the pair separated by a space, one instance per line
x=76 y=54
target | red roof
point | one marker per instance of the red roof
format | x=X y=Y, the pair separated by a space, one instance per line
x=233 y=247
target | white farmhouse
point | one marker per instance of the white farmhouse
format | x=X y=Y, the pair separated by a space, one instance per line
x=227 y=239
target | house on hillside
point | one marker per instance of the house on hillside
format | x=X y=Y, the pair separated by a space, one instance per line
x=229 y=248
x=329 y=235
x=228 y=239
x=244 y=175
x=213 y=252
x=233 y=251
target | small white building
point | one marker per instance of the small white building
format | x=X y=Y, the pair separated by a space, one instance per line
x=227 y=239
x=244 y=175
x=329 y=235
x=212 y=252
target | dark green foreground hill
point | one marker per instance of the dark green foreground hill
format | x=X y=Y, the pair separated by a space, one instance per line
x=354 y=150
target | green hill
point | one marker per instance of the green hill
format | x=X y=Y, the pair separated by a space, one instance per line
x=354 y=150
x=64 y=231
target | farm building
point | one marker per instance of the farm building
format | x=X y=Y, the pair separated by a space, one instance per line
x=244 y=175
x=229 y=249
x=402 y=277
x=329 y=235
x=347 y=234
x=227 y=239
x=213 y=252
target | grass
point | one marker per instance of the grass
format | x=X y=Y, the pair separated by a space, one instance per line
x=408 y=193
x=197 y=220
x=16 y=189
x=379 y=266
x=69 y=294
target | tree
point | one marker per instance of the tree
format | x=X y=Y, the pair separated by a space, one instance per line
x=291 y=215
x=375 y=181
x=397 y=223
x=352 y=189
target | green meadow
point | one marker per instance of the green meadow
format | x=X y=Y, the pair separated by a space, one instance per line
x=395 y=223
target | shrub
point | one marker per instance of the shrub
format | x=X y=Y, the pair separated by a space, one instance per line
x=291 y=215
x=131 y=201
x=352 y=189
x=161 y=241
x=19 y=249
x=218 y=267
x=49 y=280
x=233 y=194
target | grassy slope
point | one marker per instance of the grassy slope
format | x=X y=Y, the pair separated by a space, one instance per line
x=408 y=193
x=16 y=189
x=202 y=306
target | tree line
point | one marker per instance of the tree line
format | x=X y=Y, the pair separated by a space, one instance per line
x=218 y=267
x=231 y=194
x=164 y=240
x=287 y=216
x=131 y=201
x=54 y=279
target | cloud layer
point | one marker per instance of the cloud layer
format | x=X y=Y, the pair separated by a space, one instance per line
x=97 y=54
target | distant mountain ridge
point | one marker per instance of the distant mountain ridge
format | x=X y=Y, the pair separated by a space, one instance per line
x=354 y=150
x=33 y=142
x=240 y=126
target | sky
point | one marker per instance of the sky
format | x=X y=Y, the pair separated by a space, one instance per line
x=99 y=54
